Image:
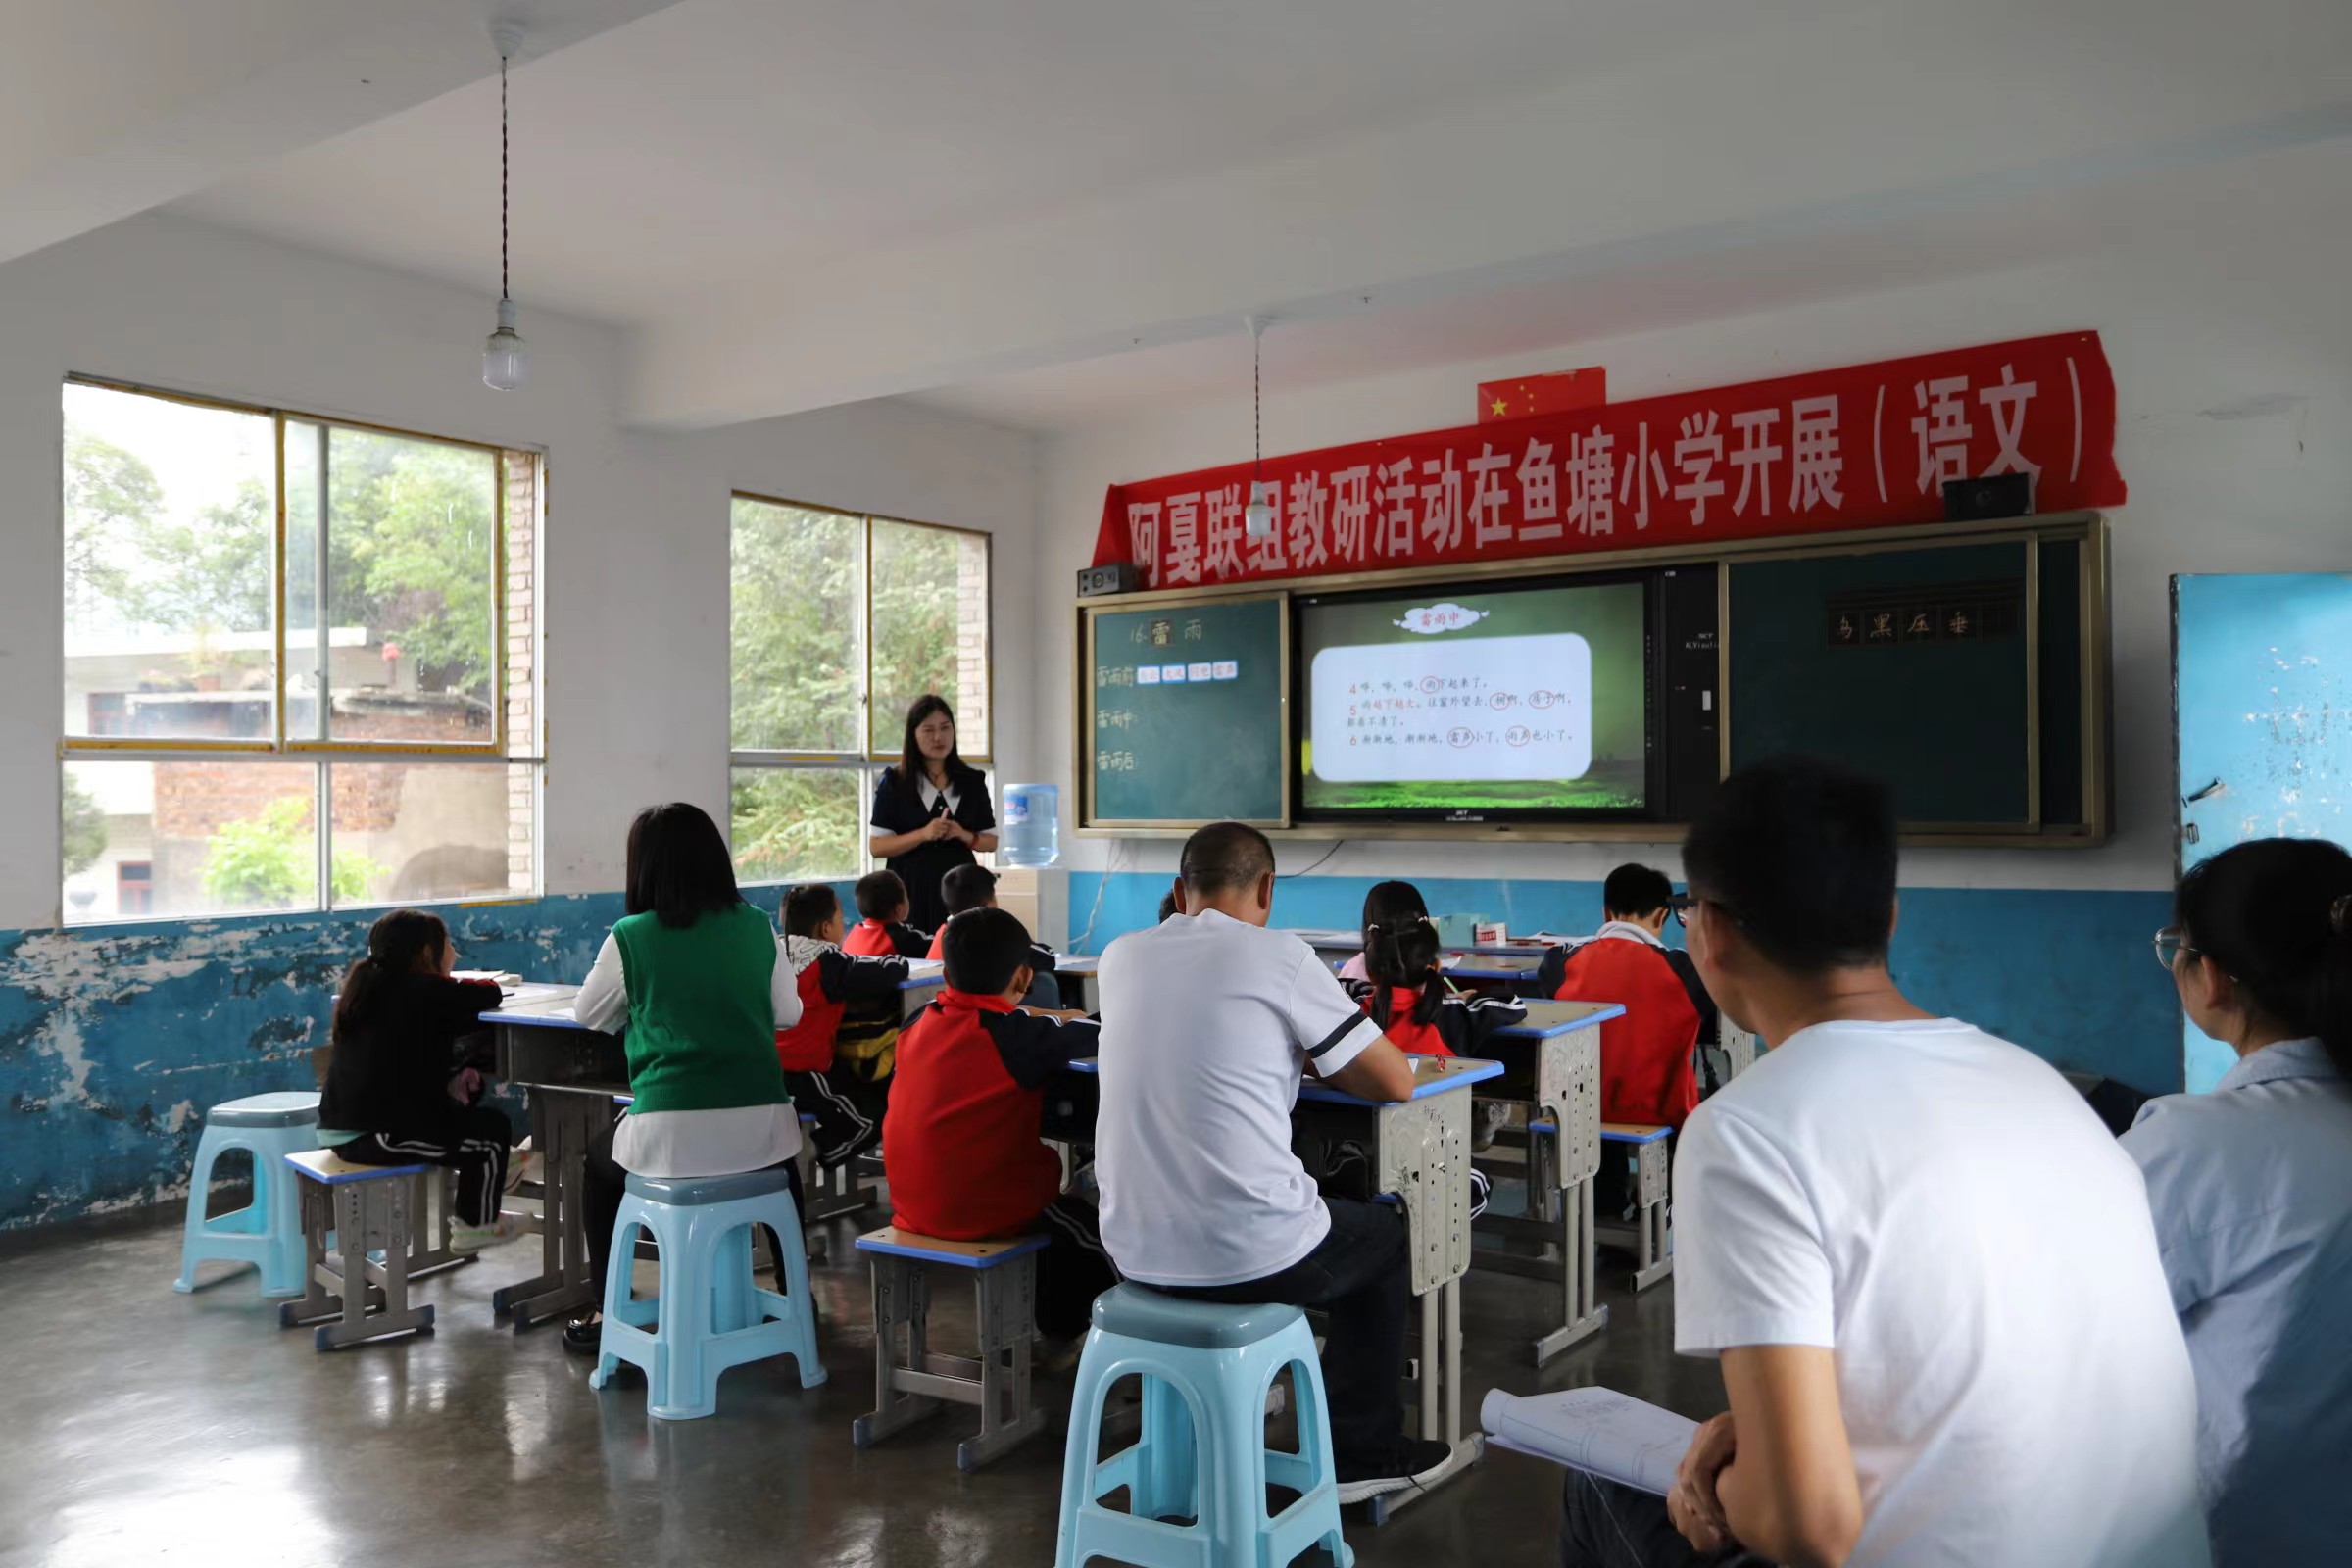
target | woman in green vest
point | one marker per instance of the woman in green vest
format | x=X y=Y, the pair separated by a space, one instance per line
x=695 y=974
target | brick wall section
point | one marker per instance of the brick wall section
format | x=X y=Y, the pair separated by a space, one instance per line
x=523 y=506
x=972 y=714
x=192 y=799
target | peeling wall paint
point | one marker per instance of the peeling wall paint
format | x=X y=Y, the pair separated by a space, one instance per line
x=114 y=1039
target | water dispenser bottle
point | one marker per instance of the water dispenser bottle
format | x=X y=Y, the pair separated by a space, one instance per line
x=1032 y=833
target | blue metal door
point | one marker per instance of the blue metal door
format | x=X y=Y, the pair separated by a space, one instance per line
x=2262 y=725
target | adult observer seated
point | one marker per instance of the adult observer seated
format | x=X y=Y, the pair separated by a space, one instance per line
x=1208 y=1022
x=1927 y=1269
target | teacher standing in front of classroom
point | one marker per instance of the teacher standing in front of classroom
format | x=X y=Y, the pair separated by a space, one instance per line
x=931 y=811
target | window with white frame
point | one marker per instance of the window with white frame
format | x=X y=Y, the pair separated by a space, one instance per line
x=300 y=663
x=839 y=622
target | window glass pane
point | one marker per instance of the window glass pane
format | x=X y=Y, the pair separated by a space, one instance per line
x=207 y=836
x=170 y=513
x=797 y=593
x=412 y=551
x=930 y=630
x=413 y=832
x=798 y=824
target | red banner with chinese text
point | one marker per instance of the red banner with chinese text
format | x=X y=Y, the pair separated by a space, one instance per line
x=1862 y=447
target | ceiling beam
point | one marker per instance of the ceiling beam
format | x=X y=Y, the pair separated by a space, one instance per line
x=1600 y=179
x=392 y=59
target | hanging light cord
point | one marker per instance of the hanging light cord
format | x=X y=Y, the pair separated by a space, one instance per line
x=1257 y=413
x=503 y=292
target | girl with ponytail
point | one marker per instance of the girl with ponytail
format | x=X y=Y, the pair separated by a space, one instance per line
x=2251 y=1189
x=396 y=1092
x=1404 y=988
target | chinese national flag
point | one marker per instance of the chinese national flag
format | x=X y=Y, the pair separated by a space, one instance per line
x=1556 y=393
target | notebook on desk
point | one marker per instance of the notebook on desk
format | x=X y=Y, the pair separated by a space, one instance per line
x=1611 y=1434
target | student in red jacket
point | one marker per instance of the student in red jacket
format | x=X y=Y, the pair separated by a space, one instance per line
x=1646 y=1071
x=847 y=1106
x=961 y=1140
x=974 y=887
x=1419 y=1012
x=1406 y=992
x=1646 y=1056
x=882 y=929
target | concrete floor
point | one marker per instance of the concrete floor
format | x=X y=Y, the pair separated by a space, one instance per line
x=138 y=1426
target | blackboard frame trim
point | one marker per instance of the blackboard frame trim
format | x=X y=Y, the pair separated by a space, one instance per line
x=2089 y=527
x=1090 y=613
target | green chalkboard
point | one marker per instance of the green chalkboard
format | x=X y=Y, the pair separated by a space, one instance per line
x=1912 y=665
x=1185 y=713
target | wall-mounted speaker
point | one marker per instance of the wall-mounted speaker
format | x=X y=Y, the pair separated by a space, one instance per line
x=1120 y=578
x=1987 y=500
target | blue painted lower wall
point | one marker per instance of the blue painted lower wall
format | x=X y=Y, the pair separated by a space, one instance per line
x=2066 y=974
x=114 y=1039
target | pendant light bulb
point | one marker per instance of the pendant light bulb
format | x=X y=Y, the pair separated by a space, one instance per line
x=505 y=362
x=1258 y=519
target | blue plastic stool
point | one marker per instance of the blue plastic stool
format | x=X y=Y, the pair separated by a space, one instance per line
x=1202 y=1453
x=267 y=1232
x=709 y=1315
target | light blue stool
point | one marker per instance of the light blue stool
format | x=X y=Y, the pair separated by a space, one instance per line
x=267 y=1232
x=709 y=1315
x=1202 y=1453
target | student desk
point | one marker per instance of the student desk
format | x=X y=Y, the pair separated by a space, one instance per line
x=1516 y=970
x=925 y=979
x=1420 y=1152
x=1738 y=1049
x=1340 y=944
x=1086 y=968
x=1552 y=1065
x=570 y=1073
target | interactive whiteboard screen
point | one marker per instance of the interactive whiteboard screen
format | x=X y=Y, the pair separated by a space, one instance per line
x=1469 y=705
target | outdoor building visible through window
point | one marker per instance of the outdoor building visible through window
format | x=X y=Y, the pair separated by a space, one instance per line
x=229 y=748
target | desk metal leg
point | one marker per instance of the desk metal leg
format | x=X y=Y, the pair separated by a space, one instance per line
x=1441 y=1398
x=435 y=1208
x=1580 y=1317
x=1654 y=1250
x=837 y=1191
x=562 y=1125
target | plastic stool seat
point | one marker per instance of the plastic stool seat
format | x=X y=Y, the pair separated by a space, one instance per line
x=1145 y=1314
x=682 y=1191
x=285 y=1109
x=267 y=1232
x=1197 y=1474
x=709 y=1315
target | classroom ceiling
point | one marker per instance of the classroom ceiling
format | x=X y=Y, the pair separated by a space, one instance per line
x=1044 y=211
x=111 y=107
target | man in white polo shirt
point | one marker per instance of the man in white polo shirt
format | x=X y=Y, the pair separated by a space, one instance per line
x=1927 y=1269
x=1208 y=1021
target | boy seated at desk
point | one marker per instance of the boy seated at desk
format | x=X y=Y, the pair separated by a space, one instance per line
x=826 y=1079
x=882 y=929
x=1211 y=1020
x=1927 y=1269
x=961 y=1139
x=974 y=887
x=1648 y=1074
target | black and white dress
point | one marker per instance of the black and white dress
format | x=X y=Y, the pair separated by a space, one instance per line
x=921 y=868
